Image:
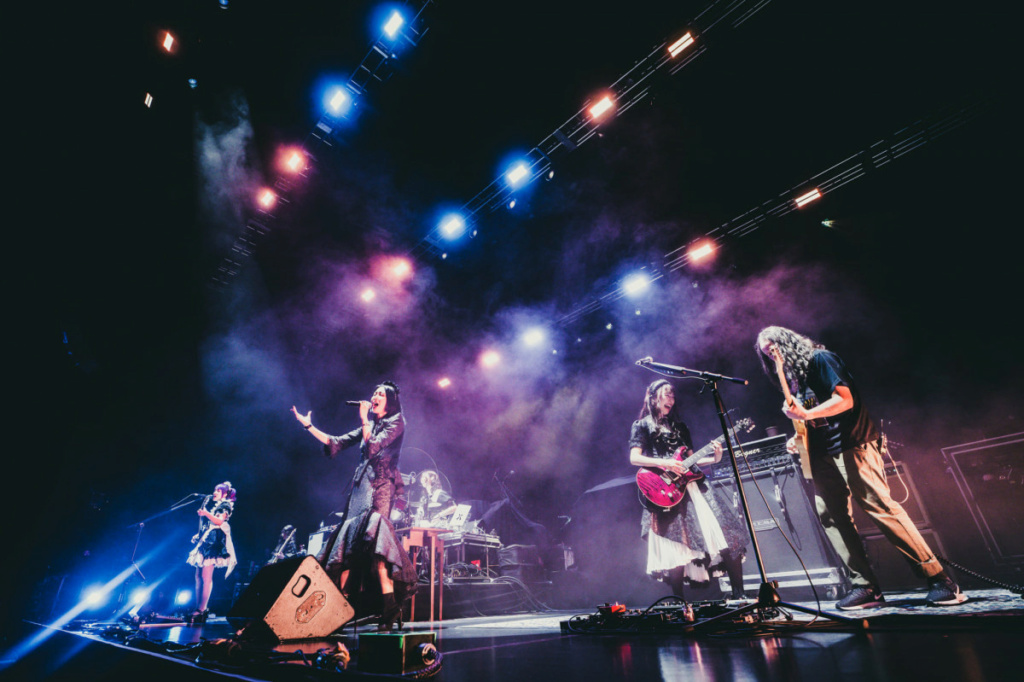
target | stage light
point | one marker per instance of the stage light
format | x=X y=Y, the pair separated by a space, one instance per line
x=701 y=251
x=608 y=326
x=95 y=597
x=490 y=358
x=223 y=4
x=182 y=597
x=453 y=226
x=338 y=101
x=395 y=270
x=680 y=45
x=512 y=204
x=807 y=198
x=603 y=105
x=550 y=175
x=368 y=295
x=140 y=596
x=516 y=174
x=292 y=160
x=401 y=268
x=148 y=101
x=267 y=199
x=168 y=41
x=534 y=337
x=636 y=284
x=444 y=382
x=393 y=24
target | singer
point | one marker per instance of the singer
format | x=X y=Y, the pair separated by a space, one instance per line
x=702 y=535
x=364 y=554
x=846 y=449
x=214 y=548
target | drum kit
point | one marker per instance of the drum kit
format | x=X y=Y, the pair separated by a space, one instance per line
x=425 y=501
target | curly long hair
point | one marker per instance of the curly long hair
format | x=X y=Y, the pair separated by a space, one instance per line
x=651 y=402
x=796 y=354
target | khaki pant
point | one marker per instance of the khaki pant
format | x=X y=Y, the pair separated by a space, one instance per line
x=859 y=472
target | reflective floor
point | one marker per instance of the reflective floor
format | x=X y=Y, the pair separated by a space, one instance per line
x=980 y=640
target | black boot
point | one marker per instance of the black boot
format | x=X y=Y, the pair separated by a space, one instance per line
x=391 y=612
x=734 y=569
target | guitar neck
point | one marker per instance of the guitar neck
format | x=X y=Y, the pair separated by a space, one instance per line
x=704 y=451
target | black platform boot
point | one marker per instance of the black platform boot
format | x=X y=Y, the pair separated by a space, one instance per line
x=391 y=613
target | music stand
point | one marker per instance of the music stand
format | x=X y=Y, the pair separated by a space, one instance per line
x=768 y=598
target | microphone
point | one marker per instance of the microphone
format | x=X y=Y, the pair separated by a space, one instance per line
x=644 y=361
x=353 y=402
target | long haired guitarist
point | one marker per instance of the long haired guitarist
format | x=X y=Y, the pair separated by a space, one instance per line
x=700 y=535
x=845 y=452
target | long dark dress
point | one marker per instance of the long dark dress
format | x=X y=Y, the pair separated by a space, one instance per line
x=677 y=538
x=366 y=531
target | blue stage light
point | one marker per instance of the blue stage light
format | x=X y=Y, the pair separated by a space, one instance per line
x=452 y=226
x=183 y=597
x=393 y=24
x=517 y=174
x=95 y=597
x=338 y=101
x=636 y=284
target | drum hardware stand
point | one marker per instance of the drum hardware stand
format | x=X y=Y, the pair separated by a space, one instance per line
x=768 y=599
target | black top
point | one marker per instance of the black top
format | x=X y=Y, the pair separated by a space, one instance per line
x=660 y=439
x=843 y=431
x=380 y=453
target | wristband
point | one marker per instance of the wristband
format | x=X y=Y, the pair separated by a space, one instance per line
x=308 y=426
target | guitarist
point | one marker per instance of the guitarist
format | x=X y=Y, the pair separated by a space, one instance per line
x=700 y=536
x=846 y=450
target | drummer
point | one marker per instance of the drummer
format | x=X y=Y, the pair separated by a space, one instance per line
x=438 y=504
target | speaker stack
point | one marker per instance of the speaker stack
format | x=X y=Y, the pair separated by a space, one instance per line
x=781 y=506
x=291 y=599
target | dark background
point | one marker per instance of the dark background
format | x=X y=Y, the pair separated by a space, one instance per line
x=155 y=384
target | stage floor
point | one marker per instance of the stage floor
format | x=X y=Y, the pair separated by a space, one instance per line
x=978 y=640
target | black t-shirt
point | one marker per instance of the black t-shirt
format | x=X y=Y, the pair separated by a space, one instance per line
x=843 y=431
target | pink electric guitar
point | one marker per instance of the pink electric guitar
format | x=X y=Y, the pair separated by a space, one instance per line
x=663 y=489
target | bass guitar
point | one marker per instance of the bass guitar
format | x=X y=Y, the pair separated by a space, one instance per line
x=802 y=438
x=661 y=489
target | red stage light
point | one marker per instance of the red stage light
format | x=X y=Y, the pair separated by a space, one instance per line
x=701 y=251
x=267 y=199
x=602 y=106
x=444 y=382
x=368 y=295
x=292 y=160
x=490 y=358
x=680 y=45
x=807 y=198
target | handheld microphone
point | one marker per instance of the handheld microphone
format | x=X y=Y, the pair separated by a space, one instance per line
x=353 y=402
x=644 y=361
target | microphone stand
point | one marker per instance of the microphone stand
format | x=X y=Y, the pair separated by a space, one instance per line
x=768 y=599
x=184 y=502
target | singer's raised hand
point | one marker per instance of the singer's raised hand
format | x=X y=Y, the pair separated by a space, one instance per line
x=305 y=419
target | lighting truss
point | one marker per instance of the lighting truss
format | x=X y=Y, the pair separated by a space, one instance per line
x=374 y=70
x=632 y=87
x=857 y=165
